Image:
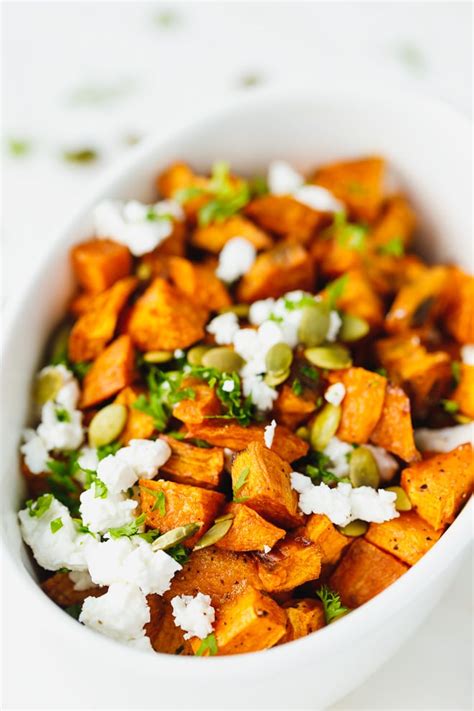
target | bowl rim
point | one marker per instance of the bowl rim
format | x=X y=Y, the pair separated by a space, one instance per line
x=372 y=613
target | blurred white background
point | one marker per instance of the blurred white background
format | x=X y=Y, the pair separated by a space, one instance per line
x=88 y=79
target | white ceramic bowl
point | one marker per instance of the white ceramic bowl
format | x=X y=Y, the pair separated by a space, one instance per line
x=427 y=144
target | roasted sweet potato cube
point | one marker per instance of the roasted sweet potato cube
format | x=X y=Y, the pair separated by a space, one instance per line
x=193 y=465
x=464 y=393
x=218 y=573
x=362 y=404
x=165 y=636
x=459 y=308
x=291 y=410
x=139 y=425
x=320 y=530
x=96 y=327
x=179 y=176
x=213 y=237
x=249 y=531
x=81 y=303
x=112 y=371
x=205 y=403
x=359 y=298
x=397 y=222
x=60 y=588
x=304 y=616
x=439 y=486
x=168 y=505
x=236 y=437
x=285 y=216
x=261 y=479
x=249 y=622
x=334 y=258
x=387 y=274
x=394 y=430
x=408 y=537
x=200 y=284
x=175 y=244
x=164 y=319
x=364 y=572
x=292 y=562
x=358 y=183
x=416 y=300
x=98 y=263
x=281 y=269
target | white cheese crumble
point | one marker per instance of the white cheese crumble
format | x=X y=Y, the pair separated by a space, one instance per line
x=344 y=504
x=318 y=198
x=100 y=514
x=82 y=580
x=335 y=323
x=195 y=615
x=283 y=179
x=57 y=433
x=467 y=354
x=445 y=439
x=235 y=259
x=35 y=452
x=269 y=433
x=224 y=328
x=121 y=613
x=145 y=456
x=116 y=474
x=261 y=311
x=338 y=452
x=335 y=393
x=266 y=549
x=262 y=395
x=386 y=462
x=228 y=386
x=88 y=458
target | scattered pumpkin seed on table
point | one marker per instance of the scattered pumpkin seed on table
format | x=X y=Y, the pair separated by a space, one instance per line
x=107 y=424
x=363 y=469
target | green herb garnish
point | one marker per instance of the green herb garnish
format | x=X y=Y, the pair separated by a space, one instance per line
x=348 y=234
x=393 y=248
x=241 y=481
x=335 y=290
x=237 y=407
x=160 y=500
x=209 y=644
x=333 y=608
x=179 y=553
x=309 y=372
x=318 y=469
x=164 y=392
x=105 y=449
x=56 y=525
x=40 y=506
x=128 y=529
x=456 y=371
x=62 y=415
x=450 y=406
x=297 y=387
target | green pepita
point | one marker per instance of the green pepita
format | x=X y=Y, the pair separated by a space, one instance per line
x=175 y=536
x=324 y=426
x=402 y=502
x=47 y=386
x=278 y=359
x=158 y=357
x=314 y=324
x=354 y=528
x=240 y=310
x=303 y=433
x=353 y=328
x=143 y=271
x=107 y=424
x=363 y=469
x=195 y=354
x=214 y=534
x=223 y=359
x=333 y=356
x=274 y=379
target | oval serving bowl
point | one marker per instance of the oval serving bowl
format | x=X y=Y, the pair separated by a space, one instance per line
x=427 y=145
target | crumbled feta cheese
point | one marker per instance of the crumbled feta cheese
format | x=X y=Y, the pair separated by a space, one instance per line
x=121 y=613
x=338 y=452
x=344 y=504
x=335 y=393
x=269 y=433
x=195 y=615
x=386 y=462
x=266 y=549
x=116 y=474
x=228 y=386
x=262 y=395
x=179 y=353
x=235 y=259
x=68 y=395
x=318 y=198
x=82 y=580
x=35 y=452
x=229 y=455
x=66 y=548
x=88 y=458
x=445 y=439
x=57 y=434
x=100 y=514
x=282 y=178
x=335 y=323
x=145 y=456
x=224 y=328
x=261 y=311
x=467 y=354
x=253 y=346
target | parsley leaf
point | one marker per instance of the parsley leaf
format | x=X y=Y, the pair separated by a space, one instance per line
x=450 y=406
x=40 y=506
x=164 y=392
x=179 y=553
x=309 y=372
x=160 y=500
x=305 y=300
x=208 y=644
x=56 y=525
x=297 y=387
x=62 y=415
x=393 y=248
x=348 y=234
x=105 y=449
x=241 y=481
x=237 y=407
x=456 y=371
x=318 y=470
x=100 y=489
x=74 y=610
x=335 y=289
x=128 y=529
x=61 y=480
x=333 y=608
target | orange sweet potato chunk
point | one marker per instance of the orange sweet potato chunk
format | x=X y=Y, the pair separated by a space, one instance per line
x=364 y=572
x=199 y=283
x=397 y=222
x=285 y=216
x=249 y=622
x=291 y=410
x=213 y=237
x=415 y=300
x=320 y=530
x=164 y=319
x=261 y=479
x=179 y=176
x=112 y=371
x=292 y=562
x=165 y=636
x=362 y=404
x=193 y=465
x=304 y=616
x=182 y=504
x=60 y=588
x=408 y=537
x=359 y=298
x=284 y=268
x=459 y=317
x=464 y=393
x=139 y=425
x=439 y=486
x=249 y=531
x=98 y=263
x=193 y=411
x=96 y=327
x=358 y=183
x=81 y=303
x=394 y=430
x=236 y=437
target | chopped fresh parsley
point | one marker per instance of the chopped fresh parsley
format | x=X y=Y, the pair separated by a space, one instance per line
x=128 y=529
x=208 y=644
x=74 y=610
x=100 y=489
x=318 y=470
x=450 y=406
x=348 y=234
x=160 y=500
x=258 y=186
x=62 y=415
x=40 y=506
x=309 y=372
x=381 y=371
x=179 y=553
x=456 y=371
x=393 y=248
x=56 y=525
x=333 y=608
x=241 y=481
x=237 y=407
x=305 y=300
x=335 y=289
x=60 y=357
x=105 y=449
x=81 y=527
x=297 y=387
x=164 y=392
x=61 y=480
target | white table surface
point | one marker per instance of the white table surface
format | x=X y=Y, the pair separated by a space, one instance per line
x=88 y=74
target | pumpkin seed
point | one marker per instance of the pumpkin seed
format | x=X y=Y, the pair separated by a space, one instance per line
x=402 y=502
x=353 y=328
x=333 y=356
x=278 y=359
x=314 y=324
x=224 y=517
x=240 y=310
x=363 y=469
x=214 y=534
x=158 y=357
x=324 y=426
x=47 y=386
x=224 y=359
x=107 y=424
x=196 y=354
x=143 y=271
x=175 y=536
x=354 y=528
x=303 y=433
x=274 y=379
